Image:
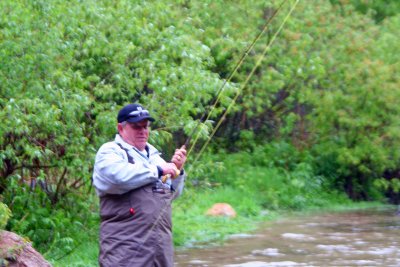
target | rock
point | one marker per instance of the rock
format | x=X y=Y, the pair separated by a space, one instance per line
x=15 y=251
x=221 y=209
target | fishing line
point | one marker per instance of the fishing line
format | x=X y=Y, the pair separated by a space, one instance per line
x=237 y=66
x=220 y=90
x=244 y=84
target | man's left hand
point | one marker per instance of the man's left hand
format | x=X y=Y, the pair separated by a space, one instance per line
x=179 y=157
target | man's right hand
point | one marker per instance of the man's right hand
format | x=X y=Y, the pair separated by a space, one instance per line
x=169 y=168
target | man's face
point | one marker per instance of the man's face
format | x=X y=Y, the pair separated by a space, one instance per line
x=135 y=134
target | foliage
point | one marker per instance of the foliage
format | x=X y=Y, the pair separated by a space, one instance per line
x=191 y=219
x=60 y=96
x=275 y=185
x=5 y=215
x=379 y=10
x=319 y=115
x=65 y=70
x=354 y=121
x=329 y=88
x=53 y=228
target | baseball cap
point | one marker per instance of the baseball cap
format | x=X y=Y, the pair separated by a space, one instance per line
x=134 y=113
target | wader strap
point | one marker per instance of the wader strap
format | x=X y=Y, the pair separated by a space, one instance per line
x=130 y=158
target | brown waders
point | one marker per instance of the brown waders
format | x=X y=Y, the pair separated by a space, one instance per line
x=136 y=228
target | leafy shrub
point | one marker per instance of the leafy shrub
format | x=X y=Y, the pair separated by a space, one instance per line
x=5 y=215
x=285 y=181
x=54 y=229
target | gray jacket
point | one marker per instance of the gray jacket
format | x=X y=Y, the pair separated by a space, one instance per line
x=113 y=174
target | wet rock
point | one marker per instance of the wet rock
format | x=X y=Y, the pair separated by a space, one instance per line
x=15 y=251
x=221 y=209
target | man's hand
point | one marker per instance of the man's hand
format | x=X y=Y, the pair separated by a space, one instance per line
x=179 y=158
x=169 y=169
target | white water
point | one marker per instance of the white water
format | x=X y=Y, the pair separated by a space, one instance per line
x=356 y=238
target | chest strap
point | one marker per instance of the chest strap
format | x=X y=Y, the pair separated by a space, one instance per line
x=130 y=158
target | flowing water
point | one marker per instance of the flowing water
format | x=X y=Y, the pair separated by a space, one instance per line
x=352 y=238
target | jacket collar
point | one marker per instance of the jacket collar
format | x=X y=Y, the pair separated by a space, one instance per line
x=118 y=139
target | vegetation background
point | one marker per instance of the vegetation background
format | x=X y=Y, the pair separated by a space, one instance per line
x=316 y=125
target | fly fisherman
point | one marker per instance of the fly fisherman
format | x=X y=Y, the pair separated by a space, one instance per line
x=135 y=190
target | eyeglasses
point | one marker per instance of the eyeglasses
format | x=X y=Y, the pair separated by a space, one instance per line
x=136 y=126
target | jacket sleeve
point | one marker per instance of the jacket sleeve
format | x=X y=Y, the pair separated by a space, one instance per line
x=113 y=174
x=178 y=184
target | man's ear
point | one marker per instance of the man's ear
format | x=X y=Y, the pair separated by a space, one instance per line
x=120 y=127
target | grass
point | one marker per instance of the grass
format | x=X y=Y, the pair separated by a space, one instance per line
x=84 y=254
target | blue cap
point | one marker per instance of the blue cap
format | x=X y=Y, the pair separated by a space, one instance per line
x=133 y=113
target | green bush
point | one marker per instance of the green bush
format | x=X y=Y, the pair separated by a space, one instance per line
x=283 y=182
x=54 y=228
x=320 y=111
x=5 y=215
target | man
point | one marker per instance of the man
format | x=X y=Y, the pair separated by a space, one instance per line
x=136 y=187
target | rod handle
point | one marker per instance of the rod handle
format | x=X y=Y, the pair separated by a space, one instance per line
x=167 y=176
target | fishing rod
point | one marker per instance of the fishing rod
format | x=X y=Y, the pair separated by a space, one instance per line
x=206 y=115
x=258 y=63
x=233 y=72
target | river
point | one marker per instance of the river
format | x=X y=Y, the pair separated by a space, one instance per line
x=352 y=238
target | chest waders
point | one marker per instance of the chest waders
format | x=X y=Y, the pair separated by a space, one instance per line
x=136 y=228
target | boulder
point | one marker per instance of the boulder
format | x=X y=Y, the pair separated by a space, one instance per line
x=15 y=251
x=221 y=209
